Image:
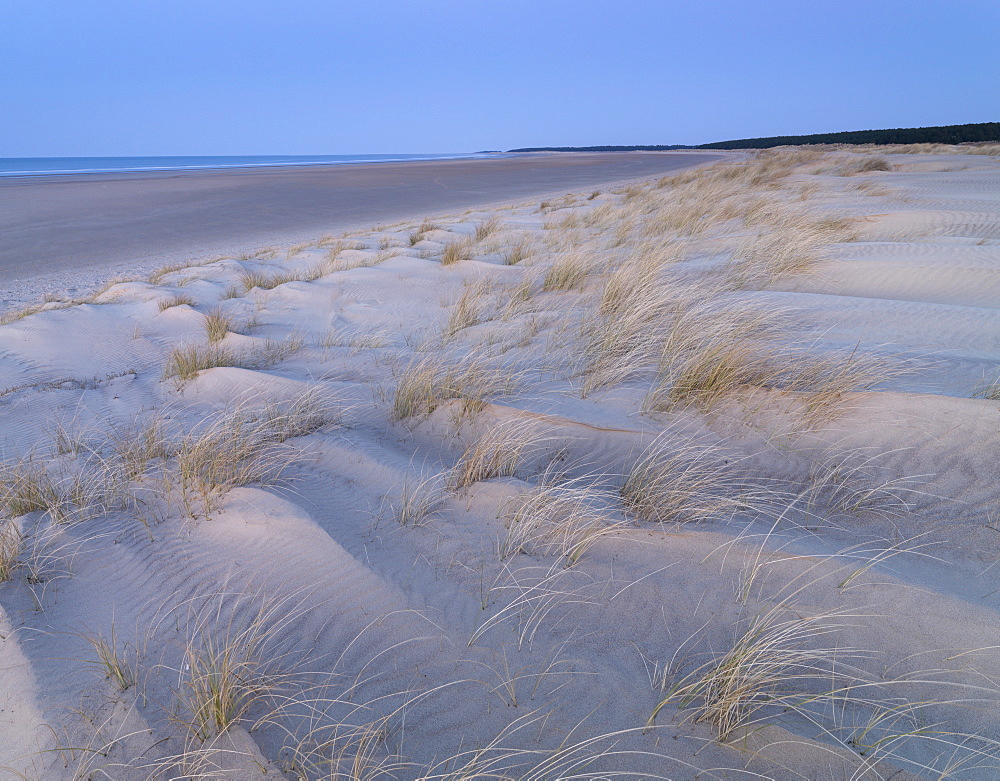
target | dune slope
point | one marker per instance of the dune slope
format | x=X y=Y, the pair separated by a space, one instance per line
x=694 y=478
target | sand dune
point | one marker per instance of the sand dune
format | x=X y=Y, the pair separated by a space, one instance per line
x=693 y=478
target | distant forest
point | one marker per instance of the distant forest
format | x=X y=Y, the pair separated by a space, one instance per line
x=944 y=134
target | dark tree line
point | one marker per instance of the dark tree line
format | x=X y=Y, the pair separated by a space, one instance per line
x=944 y=134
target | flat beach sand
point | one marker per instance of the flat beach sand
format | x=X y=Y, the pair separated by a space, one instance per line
x=60 y=233
x=690 y=477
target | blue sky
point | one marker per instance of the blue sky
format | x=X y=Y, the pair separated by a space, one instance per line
x=132 y=77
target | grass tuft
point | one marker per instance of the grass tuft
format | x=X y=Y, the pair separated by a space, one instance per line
x=988 y=390
x=486 y=228
x=774 y=654
x=113 y=663
x=568 y=272
x=864 y=165
x=157 y=276
x=305 y=414
x=680 y=479
x=27 y=487
x=565 y=520
x=229 y=449
x=259 y=279
x=186 y=361
x=515 y=253
x=497 y=453
x=178 y=300
x=232 y=662
x=217 y=325
x=418 y=499
x=466 y=313
x=11 y=546
x=139 y=442
x=456 y=251
x=858 y=483
x=67 y=493
x=426 y=383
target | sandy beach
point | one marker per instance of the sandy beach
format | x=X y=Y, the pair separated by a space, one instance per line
x=690 y=477
x=107 y=225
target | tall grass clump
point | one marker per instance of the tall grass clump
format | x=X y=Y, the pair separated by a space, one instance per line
x=569 y=271
x=267 y=352
x=690 y=209
x=259 y=279
x=217 y=325
x=865 y=164
x=177 y=300
x=787 y=241
x=255 y=279
x=708 y=353
x=857 y=482
x=416 y=236
x=824 y=381
x=616 y=351
x=768 y=666
x=418 y=499
x=625 y=338
x=11 y=545
x=499 y=452
x=66 y=492
x=138 y=443
x=456 y=251
x=423 y=386
x=428 y=382
x=989 y=390
x=233 y=662
x=680 y=479
x=516 y=252
x=561 y=519
x=113 y=661
x=229 y=449
x=486 y=228
x=639 y=278
x=184 y=362
x=157 y=276
x=466 y=312
x=708 y=359
x=762 y=258
x=304 y=414
x=26 y=487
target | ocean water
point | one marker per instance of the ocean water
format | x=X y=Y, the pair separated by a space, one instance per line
x=39 y=166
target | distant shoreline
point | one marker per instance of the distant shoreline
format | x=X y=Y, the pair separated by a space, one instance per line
x=66 y=232
x=17 y=167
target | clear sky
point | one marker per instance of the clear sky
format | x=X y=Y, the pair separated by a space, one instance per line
x=134 y=77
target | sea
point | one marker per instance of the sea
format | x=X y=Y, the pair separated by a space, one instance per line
x=52 y=166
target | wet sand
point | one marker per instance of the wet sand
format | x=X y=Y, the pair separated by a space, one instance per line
x=52 y=228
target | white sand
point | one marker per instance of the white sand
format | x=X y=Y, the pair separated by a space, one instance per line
x=368 y=622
